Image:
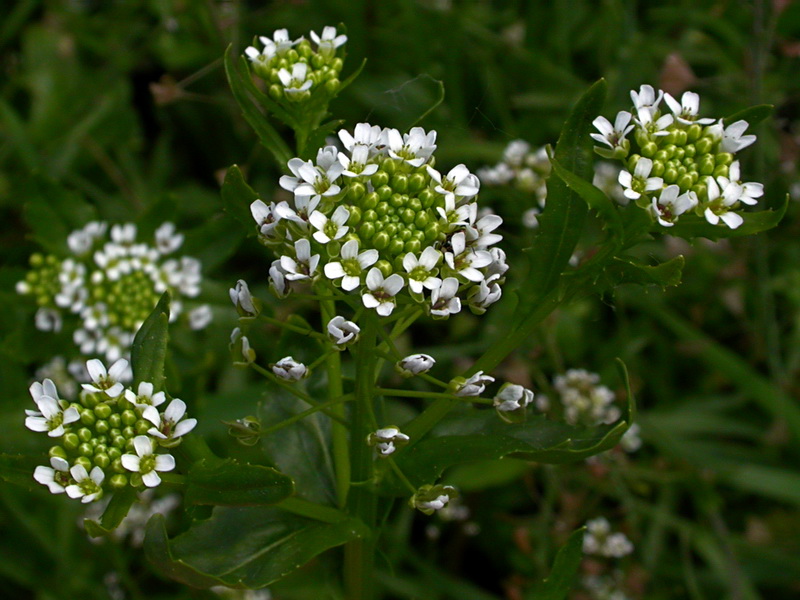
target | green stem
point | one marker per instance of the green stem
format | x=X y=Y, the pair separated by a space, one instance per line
x=401 y=476
x=295 y=328
x=302 y=415
x=416 y=394
x=298 y=506
x=333 y=367
x=361 y=503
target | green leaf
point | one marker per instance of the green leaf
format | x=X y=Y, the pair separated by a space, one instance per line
x=753 y=115
x=16 y=469
x=230 y=483
x=149 y=350
x=237 y=197
x=594 y=196
x=243 y=93
x=317 y=137
x=565 y=569
x=694 y=226
x=629 y=270
x=115 y=512
x=243 y=547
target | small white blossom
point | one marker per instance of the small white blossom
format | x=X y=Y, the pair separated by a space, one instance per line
x=719 y=205
x=515 y=153
x=640 y=182
x=265 y=216
x=364 y=134
x=422 y=271
x=415 y=364
x=512 y=397
x=351 y=266
x=612 y=136
x=49 y=417
x=387 y=440
x=277 y=278
x=444 y=298
x=242 y=299
x=55 y=477
x=328 y=42
x=147 y=463
x=688 y=109
x=330 y=229
x=144 y=396
x=484 y=295
x=170 y=425
x=243 y=354
x=341 y=331
x=289 y=369
x=599 y=540
x=48 y=319
x=86 y=486
x=167 y=240
x=356 y=165
x=735 y=191
x=473 y=386
x=458 y=183
x=732 y=138
x=670 y=205
x=414 y=147
x=106 y=381
x=303 y=266
x=466 y=261
x=200 y=317
x=381 y=291
x=295 y=82
x=646 y=99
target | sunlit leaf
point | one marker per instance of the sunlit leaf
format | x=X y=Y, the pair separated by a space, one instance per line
x=149 y=349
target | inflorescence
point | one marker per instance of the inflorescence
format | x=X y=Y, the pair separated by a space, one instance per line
x=111 y=282
x=677 y=162
x=377 y=218
x=110 y=438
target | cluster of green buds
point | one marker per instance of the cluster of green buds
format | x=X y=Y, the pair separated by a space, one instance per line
x=378 y=218
x=110 y=282
x=294 y=70
x=110 y=438
x=678 y=162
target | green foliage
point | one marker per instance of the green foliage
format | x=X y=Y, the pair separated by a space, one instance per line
x=565 y=569
x=149 y=350
x=228 y=483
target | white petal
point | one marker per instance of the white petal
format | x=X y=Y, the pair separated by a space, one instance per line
x=184 y=427
x=130 y=462
x=175 y=410
x=165 y=462
x=151 y=479
x=97 y=369
x=143 y=445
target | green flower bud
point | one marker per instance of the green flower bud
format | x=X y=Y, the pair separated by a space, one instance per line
x=408 y=216
x=693 y=132
x=136 y=480
x=416 y=182
x=71 y=441
x=116 y=466
x=690 y=150
x=412 y=246
x=396 y=246
x=390 y=229
x=332 y=86
x=382 y=210
x=706 y=164
x=118 y=481
x=385 y=267
x=370 y=201
x=83 y=460
x=427 y=197
x=724 y=158
x=381 y=240
x=662 y=156
x=114 y=452
x=641 y=137
x=389 y=165
x=704 y=145
x=397 y=200
x=84 y=434
x=670 y=175
x=400 y=182
x=275 y=91
x=649 y=149
x=142 y=426
x=337 y=64
x=87 y=417
x=57 y=451
x=355 y=216
x=366 y=230
x=380 y=178
x=384 y=192
x=431 y=232
x=129 y=433
x=103 y=411
x=128 y=417
x=89 y=400
x=679 y=153
x=355 y=191
x=102 y=426
x=721 y=171
x=701 y=190
x=685 y=182
x=102 y=460
x=658 y=169
x=86 y=449
x=680 y=137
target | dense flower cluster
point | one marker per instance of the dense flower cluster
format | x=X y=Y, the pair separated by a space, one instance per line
x=585 y=401
x=108 y=438
x=599 y=540
x=377 y=218
x=110 y=283
x=294 y=70
x=677 y=162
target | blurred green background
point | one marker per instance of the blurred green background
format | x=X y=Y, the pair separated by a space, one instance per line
x=125 y=104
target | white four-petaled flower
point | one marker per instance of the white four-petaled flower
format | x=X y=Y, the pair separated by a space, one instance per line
x=106 y=381
x=145 y=462
x=381 y=291
x=351 y=265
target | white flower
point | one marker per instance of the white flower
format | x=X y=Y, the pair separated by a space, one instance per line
x=351 y=266
x=106 y=381
x=82 y=240
x=387 y=440
x=381 y=291
x=363 y=135
x=295 y=82
x=171 y=424
x=732 y=187
x=329 y=41
x=656 y=128
x=437 y=503
x=444 y=299
x=512 y=397
x=530 y=218
x=243 y=354
x=459 y=182
x=144 y=396
x=123 y=234
x=483 y=295
x=466 y=261
x=515 y=152
x=630 y=440
x=612 y=136
x=330 y=229
x=473 y=386
x=314 y=181
x=414 y=147
x=50 y=417
x=304 y=266
x=480 y=235
x=266 y=217
x=415 y=364
x=646 y=99
x=732 y=138
x=422 y=271
x=200 y=317
x=48 y=319
x=719 y=205
x=280 y=42
x=242 y=299
x=277 y=278
x=56 y=478
x=341 y=331
x=86 y=486
x=262 y=57
x=147 y=463
x=167 y=240
x=688 y=109
x=640 y=182
x=356 y=165
x=669 y=205
x=289 y=369
x=599 y=540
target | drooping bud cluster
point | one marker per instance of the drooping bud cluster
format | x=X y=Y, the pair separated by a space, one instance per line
x=387 y=440
x=378 y=218
x=107 y=439
x=585 y=401
x=430 y=498
x=109 y=284
x=600 y=541
x=294 y=69
x=512 y=401
x=677 y=162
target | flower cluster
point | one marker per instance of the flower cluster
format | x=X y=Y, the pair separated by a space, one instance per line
x=377 y=218
x=677 y=162
x=599 y=540
x=293 y=69
x=521 y=167
x=108 y=438
x=585 y=401
x=430 y=498
x=387 y=440
x=111 y=282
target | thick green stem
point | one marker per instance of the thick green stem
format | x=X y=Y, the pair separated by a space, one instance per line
x=360 y=554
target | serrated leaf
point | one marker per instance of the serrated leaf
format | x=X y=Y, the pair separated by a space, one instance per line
x=243 y=547
x=565 y=569
x=242 y=92
x=230 y=483
x=149 y=349
x=753 y=115
x=694 y=226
